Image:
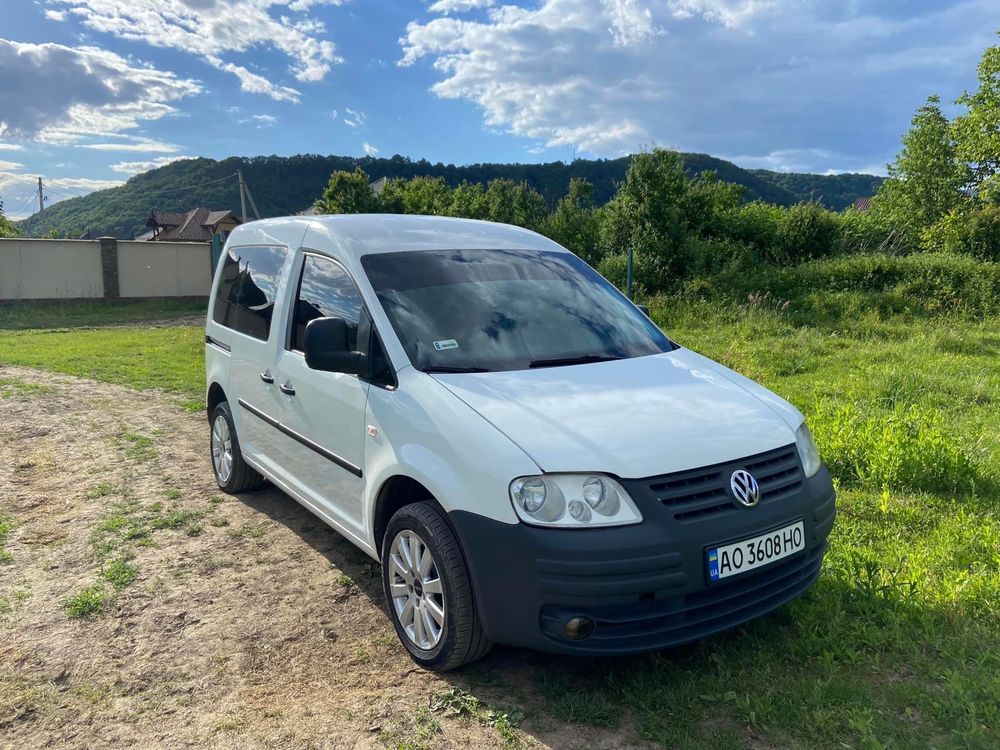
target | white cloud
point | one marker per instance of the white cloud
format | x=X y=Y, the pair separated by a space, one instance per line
x=18 y=190
x=60 y=95
x=630 y=22
x=261 y=121
x=818 y=80
x=140 y=145
x=11 y=147
x=333 y=114
x=369 y=149
x=256 y=84
x=726 y=12
x=353 y=118
x=55 y=15
x=9 y=164
x=213 y=28
x=458 y=6
x=135 y=167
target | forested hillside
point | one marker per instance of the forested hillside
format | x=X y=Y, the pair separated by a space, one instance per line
x=836 y=191
x=285 y=185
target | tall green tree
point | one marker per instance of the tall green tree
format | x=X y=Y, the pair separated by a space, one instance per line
x=573 y=223
x=647 y=216
x=7 y=228
x=348 y=193
x=510 y=202
x=977 y=132
x=927 y=179
x=419 y=195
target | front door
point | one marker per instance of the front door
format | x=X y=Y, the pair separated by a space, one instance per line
x=323 y=413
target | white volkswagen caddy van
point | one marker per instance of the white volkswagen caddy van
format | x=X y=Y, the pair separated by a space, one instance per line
x=530 y=458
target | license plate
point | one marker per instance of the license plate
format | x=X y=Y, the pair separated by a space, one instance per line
x=750 y=554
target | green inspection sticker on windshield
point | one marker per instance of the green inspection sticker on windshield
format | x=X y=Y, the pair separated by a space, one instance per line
x=445 y=344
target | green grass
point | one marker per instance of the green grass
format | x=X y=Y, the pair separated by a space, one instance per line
x=108 y=342
x=29 y=314
x=6 y=526
x=897 y=645
x=86 y=604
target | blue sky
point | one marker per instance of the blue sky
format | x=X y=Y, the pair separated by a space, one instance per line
x=93 y=91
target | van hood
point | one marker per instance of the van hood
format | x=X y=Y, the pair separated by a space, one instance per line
x=632 y=418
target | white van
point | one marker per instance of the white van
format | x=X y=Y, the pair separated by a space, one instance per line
x=530 y=458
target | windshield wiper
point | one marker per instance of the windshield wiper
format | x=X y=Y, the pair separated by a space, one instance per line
x=578 y=360
x=447 y=368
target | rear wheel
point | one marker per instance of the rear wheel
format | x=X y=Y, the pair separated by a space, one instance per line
x=428 y=590
x=232 y=473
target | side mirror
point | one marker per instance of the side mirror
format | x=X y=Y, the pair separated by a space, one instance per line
x=644 y=309
x=326 y=347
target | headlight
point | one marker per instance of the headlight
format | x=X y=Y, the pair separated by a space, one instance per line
x=572 y=501
x=807 y=450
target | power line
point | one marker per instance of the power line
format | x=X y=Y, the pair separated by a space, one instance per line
x=191 y=187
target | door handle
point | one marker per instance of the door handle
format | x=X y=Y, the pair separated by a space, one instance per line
x=267 y=377
x=287 y=388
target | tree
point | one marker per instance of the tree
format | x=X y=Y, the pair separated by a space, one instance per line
x=977 y=132
x=348 y=193
x=573 y=224
x=7 y=228
x=512 y=202
x=468 y=201
x=927 y=179
x=647 y=216
x=419 y=195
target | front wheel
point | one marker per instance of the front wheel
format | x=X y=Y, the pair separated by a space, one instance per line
x=232 y=473
x=428 y=590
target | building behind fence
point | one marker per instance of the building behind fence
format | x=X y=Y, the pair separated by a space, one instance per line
x=103 y=269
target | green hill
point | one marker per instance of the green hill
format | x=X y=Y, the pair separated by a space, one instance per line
x=838 y=191
x=288 y=184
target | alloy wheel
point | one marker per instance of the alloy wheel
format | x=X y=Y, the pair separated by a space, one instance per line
x=416 y=590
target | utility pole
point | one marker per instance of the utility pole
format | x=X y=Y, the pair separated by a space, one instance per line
x=253 y=203
x=243 y=199
x=41 y=197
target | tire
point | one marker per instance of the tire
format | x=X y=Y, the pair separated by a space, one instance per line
x=460 y=636
x=240 y=477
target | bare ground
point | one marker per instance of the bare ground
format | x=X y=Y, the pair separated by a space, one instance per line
x=249 y=623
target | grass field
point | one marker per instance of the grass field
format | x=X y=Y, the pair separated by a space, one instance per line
x=898 y=645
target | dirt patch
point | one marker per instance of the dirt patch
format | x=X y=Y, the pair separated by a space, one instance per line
x=203 y=619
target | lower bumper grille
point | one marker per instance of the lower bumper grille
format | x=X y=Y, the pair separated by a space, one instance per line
x=680 y=619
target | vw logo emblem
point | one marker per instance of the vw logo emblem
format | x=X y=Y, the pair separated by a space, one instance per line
x=745 y=488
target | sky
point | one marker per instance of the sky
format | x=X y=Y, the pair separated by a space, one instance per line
x=94 y=91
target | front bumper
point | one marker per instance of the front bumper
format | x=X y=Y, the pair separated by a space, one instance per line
x=645 y=586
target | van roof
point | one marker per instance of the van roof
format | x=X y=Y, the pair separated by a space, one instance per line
x=360 y=234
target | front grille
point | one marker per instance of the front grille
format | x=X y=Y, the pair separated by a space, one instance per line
x=696 y=494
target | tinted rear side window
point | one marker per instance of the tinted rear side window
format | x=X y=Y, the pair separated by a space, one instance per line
x=247 y=289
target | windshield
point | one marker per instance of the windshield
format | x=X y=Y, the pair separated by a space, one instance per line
x=482 y=310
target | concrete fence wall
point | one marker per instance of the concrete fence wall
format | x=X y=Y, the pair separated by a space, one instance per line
x=103 y=269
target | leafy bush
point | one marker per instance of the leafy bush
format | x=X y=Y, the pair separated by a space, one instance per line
x=805 y=232
x=899 y=447
x=975 y=233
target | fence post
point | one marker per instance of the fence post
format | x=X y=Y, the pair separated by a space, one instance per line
x=216 y=252
x=628 y=274
x=109 y=267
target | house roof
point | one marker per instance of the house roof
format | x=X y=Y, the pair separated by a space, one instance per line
x=863 y=204
x=194 y=226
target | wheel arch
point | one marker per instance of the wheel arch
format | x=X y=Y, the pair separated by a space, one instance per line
x=216 y=395
x=396 y=492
